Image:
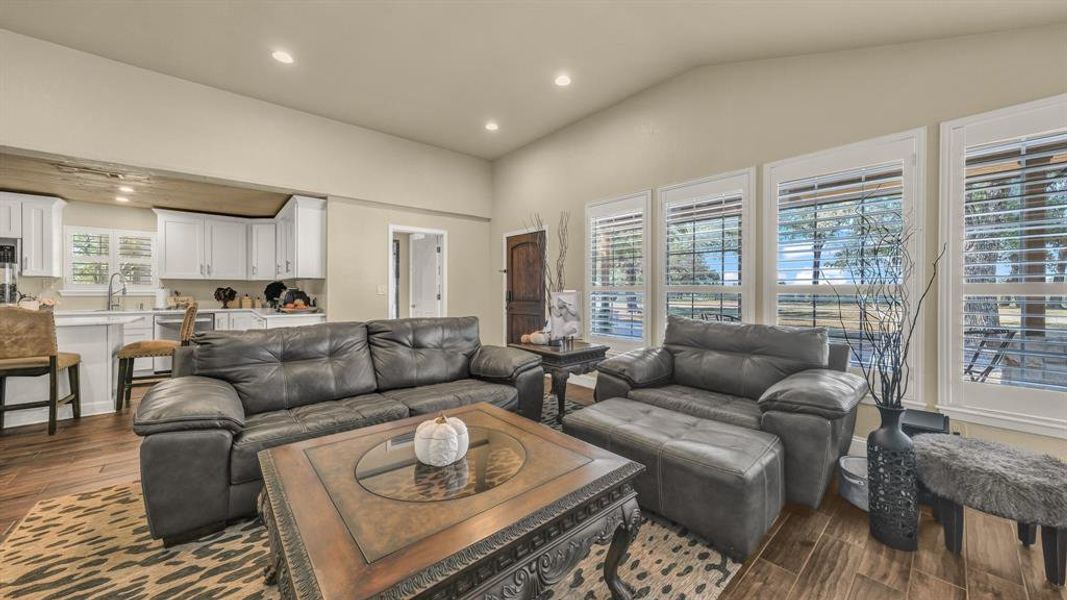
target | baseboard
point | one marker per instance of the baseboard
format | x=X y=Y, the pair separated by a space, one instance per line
x=858 y=447
x=586 y=381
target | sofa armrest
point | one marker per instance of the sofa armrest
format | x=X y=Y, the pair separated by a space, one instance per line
x=189 y=403
x=823 y=392
x=498 y=362
x=642 y=367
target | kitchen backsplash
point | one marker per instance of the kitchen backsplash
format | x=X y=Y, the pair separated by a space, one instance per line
x=203 y=291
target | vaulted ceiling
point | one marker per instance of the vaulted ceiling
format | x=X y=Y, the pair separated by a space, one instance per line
x=436 y=72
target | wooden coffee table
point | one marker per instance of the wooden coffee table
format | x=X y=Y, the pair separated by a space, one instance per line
x=354 y=515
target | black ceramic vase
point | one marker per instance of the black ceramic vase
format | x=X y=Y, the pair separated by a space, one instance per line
x=892 y=486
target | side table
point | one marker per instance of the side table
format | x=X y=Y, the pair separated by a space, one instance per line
x=561 y=361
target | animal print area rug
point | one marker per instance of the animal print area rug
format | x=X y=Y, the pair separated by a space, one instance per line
x=96 y=545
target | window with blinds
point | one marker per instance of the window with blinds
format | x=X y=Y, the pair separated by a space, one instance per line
x=94 y=254
x=616 y=233
x=1014 y=258
x=830 y=226
x=703 y=247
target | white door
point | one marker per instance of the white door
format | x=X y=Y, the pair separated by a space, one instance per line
x=227 y=249
x=425 y=275
x=263 y=260
x=181 y=241
x=10 y=216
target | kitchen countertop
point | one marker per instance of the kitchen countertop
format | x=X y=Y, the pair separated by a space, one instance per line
x=265 y=313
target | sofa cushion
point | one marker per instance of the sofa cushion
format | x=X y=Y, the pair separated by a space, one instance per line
x=269 y=429
x=700 y=403
x=413 y=352
x=741 y=359
x=430 y=399
x=276 y=369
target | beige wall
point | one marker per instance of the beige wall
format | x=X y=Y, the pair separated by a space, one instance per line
x=721 y=118
x=358 y=247
x=61 y=101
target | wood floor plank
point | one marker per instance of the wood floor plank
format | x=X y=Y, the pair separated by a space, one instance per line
x=933 y=558
x=990 y=546
x=829 y=573
x=762 y=580
x=850 y=524
x=885 y=565
x=865 y=588
x=985 y=586
x=1033 y=567
x=796 y=539
x=923 y=586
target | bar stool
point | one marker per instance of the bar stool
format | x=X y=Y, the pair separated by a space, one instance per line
x=30 y=350
x=148 y=349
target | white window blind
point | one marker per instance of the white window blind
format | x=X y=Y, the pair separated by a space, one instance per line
x=93 y=254
x=704 y=242
x=616 y=237
x=1014 y=249
x=1003 y=307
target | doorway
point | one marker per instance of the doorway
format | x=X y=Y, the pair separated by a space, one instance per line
x=524 y=284
x=417 y=272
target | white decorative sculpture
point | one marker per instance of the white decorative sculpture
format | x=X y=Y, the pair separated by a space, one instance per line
x=441 y=441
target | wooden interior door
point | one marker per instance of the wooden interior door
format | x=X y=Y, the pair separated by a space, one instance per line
x=525 y=293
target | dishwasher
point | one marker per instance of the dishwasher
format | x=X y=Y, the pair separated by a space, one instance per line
x=169 y=328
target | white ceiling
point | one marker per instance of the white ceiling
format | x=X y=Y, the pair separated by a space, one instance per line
x=437 y=71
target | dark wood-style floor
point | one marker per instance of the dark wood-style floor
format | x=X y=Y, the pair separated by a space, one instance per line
x=809 y=554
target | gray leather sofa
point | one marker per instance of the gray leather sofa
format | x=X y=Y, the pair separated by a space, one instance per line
x=234 y=394
x=789 y=382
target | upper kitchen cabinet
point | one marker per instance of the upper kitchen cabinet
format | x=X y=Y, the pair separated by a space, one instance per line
x=194 y=246
x=262 y=257
x=41 y=230
x=300 y=236
x=10 y=215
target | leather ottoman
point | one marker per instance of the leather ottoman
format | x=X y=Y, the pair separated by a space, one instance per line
x=722 y=481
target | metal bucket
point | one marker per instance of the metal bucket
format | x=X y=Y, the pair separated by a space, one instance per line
x=852 y=480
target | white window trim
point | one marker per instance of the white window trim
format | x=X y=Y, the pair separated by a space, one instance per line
x=620 y=345
x=875 y=151
x=743 y=180
x=70 y=289
x=994 y=409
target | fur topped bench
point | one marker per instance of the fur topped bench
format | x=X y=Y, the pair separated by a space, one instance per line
x=1001 y=480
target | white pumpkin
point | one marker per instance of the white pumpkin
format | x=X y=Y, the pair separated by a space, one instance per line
x=441 y=441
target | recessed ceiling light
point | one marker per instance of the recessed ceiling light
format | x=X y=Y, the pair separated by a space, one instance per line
x=563 y=80
x=282 y=56
x=126 y=189
x=121 y=199
x=492 y=126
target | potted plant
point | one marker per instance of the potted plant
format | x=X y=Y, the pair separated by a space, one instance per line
x=883 y=317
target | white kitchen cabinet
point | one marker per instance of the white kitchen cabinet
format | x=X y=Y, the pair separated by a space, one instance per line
x=180 y=238
x=295 y=321
x=222 y=321
x=42 y=236
x=262 y=256
x=10 y=215
x=227 y=248
x=301 y=238
x=245 y=320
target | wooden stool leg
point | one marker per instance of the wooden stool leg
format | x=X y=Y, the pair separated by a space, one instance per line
x=74 y=377
x=129 y=380
x=1054 y=547
x=1027 y=533
x=53 y=398
x=120 y=393
x=952 y=520
x=3 y=390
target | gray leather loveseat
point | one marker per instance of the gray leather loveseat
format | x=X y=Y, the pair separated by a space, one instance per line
x=789 y=382
x=234 y=394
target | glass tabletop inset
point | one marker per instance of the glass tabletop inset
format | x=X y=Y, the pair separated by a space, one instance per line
x=391 y=470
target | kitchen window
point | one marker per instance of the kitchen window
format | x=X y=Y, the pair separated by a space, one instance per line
x=824 y=211
x=707 y=265
x=1004 y=222
x=92 y=254
x=616 y=270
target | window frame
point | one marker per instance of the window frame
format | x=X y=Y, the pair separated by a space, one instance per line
x=642 y=199
x=74 y=289
x=743 y=180
x=909 y=148
x=996 y=405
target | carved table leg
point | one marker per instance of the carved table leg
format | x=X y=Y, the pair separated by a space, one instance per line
x=559 y=389
x=270 y=572
x=620 y=543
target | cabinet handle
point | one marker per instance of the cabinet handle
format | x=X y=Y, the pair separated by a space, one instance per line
x=287 y=267
x=201 y=269
x=253 y=269
x=209 y=269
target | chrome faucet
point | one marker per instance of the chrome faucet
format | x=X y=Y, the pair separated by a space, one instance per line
x=111 y=304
